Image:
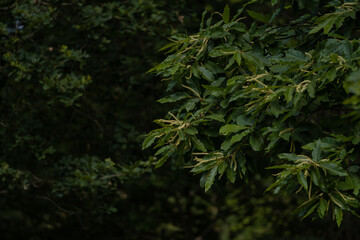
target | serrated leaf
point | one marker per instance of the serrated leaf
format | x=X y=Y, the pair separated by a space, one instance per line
x=311 y=90
x=190 y=104
x=342 y=154
x=239 y=137
x=206 y=73
x=231 y=128
x=322 y=208
x=191 y=131
x=275 y=108
x=302 y=180
x=338 y=200
x=258 y=16
x=222 y=167
x=231 y=62
x=242 y=120
x=291 y=157
x=161 y=161
x=316 y=177
x=226 y=14
x=338 y=215
x=256 y=143
x=237 y=57
x=203 y=180
x=162 y=150
x=277 y=12
x=333 y=169
x=316 y=151
x=203 y=167
x=168 y=46
x=311 y=210
x=275 y=184
x=149 y=140
x=210 y=178
x=198 y=144
x=327 y=25
x=289 y=93
x=356 y=183
x=217 y=117
x=231 y=174
x=226 y=144
x=174 y=97
x=282 y=166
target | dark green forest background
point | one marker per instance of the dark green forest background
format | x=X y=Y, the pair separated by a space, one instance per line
x=76 y=102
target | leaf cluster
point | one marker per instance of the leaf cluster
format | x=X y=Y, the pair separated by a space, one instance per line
x=250 y=96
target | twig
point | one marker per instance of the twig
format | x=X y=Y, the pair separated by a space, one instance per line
x=55 y=204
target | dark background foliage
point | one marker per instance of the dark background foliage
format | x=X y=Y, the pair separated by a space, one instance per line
x=75 y=103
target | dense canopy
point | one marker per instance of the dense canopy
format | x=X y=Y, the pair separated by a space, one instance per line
x=276 y=94
x=257 y=95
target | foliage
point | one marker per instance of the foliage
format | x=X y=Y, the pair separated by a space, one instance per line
x=277 y=93
x=75 y=102
x=72 y=90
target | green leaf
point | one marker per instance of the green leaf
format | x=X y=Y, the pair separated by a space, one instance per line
x=210 y=178
x=278 y=11
x=316 y=177
x=203 y=19
x=327 y=25
x=338 y=215
x=275 y=108
x=275 y=184
x=231 y=128
x=291 y=157
x=302 y=180
x=222 y=167
x=213 y=91
x=259 y=16
x=168 y=46
x=316 y=151
x=338 y=200
x=237 y=56
x=198 y=144
x=191 y=131
x=322 y=208
x=163 y=149
x=242 y=120
x=333 y=169
x=289 y=93
x=231 y=62
x=226 y=144
x=149 y=140
x=356 y=183
x=226 y=14
x=217 y=117
x=254 y=61
x=231 y=174
x=174 y=97
x=311 y=210
x=239 y=137
x=256 y=143
x=295 y=56
x=161 y=161
x=206 y=73
x=203 y=167
x=282 y=166
x=203 y=180
x=190 y=104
